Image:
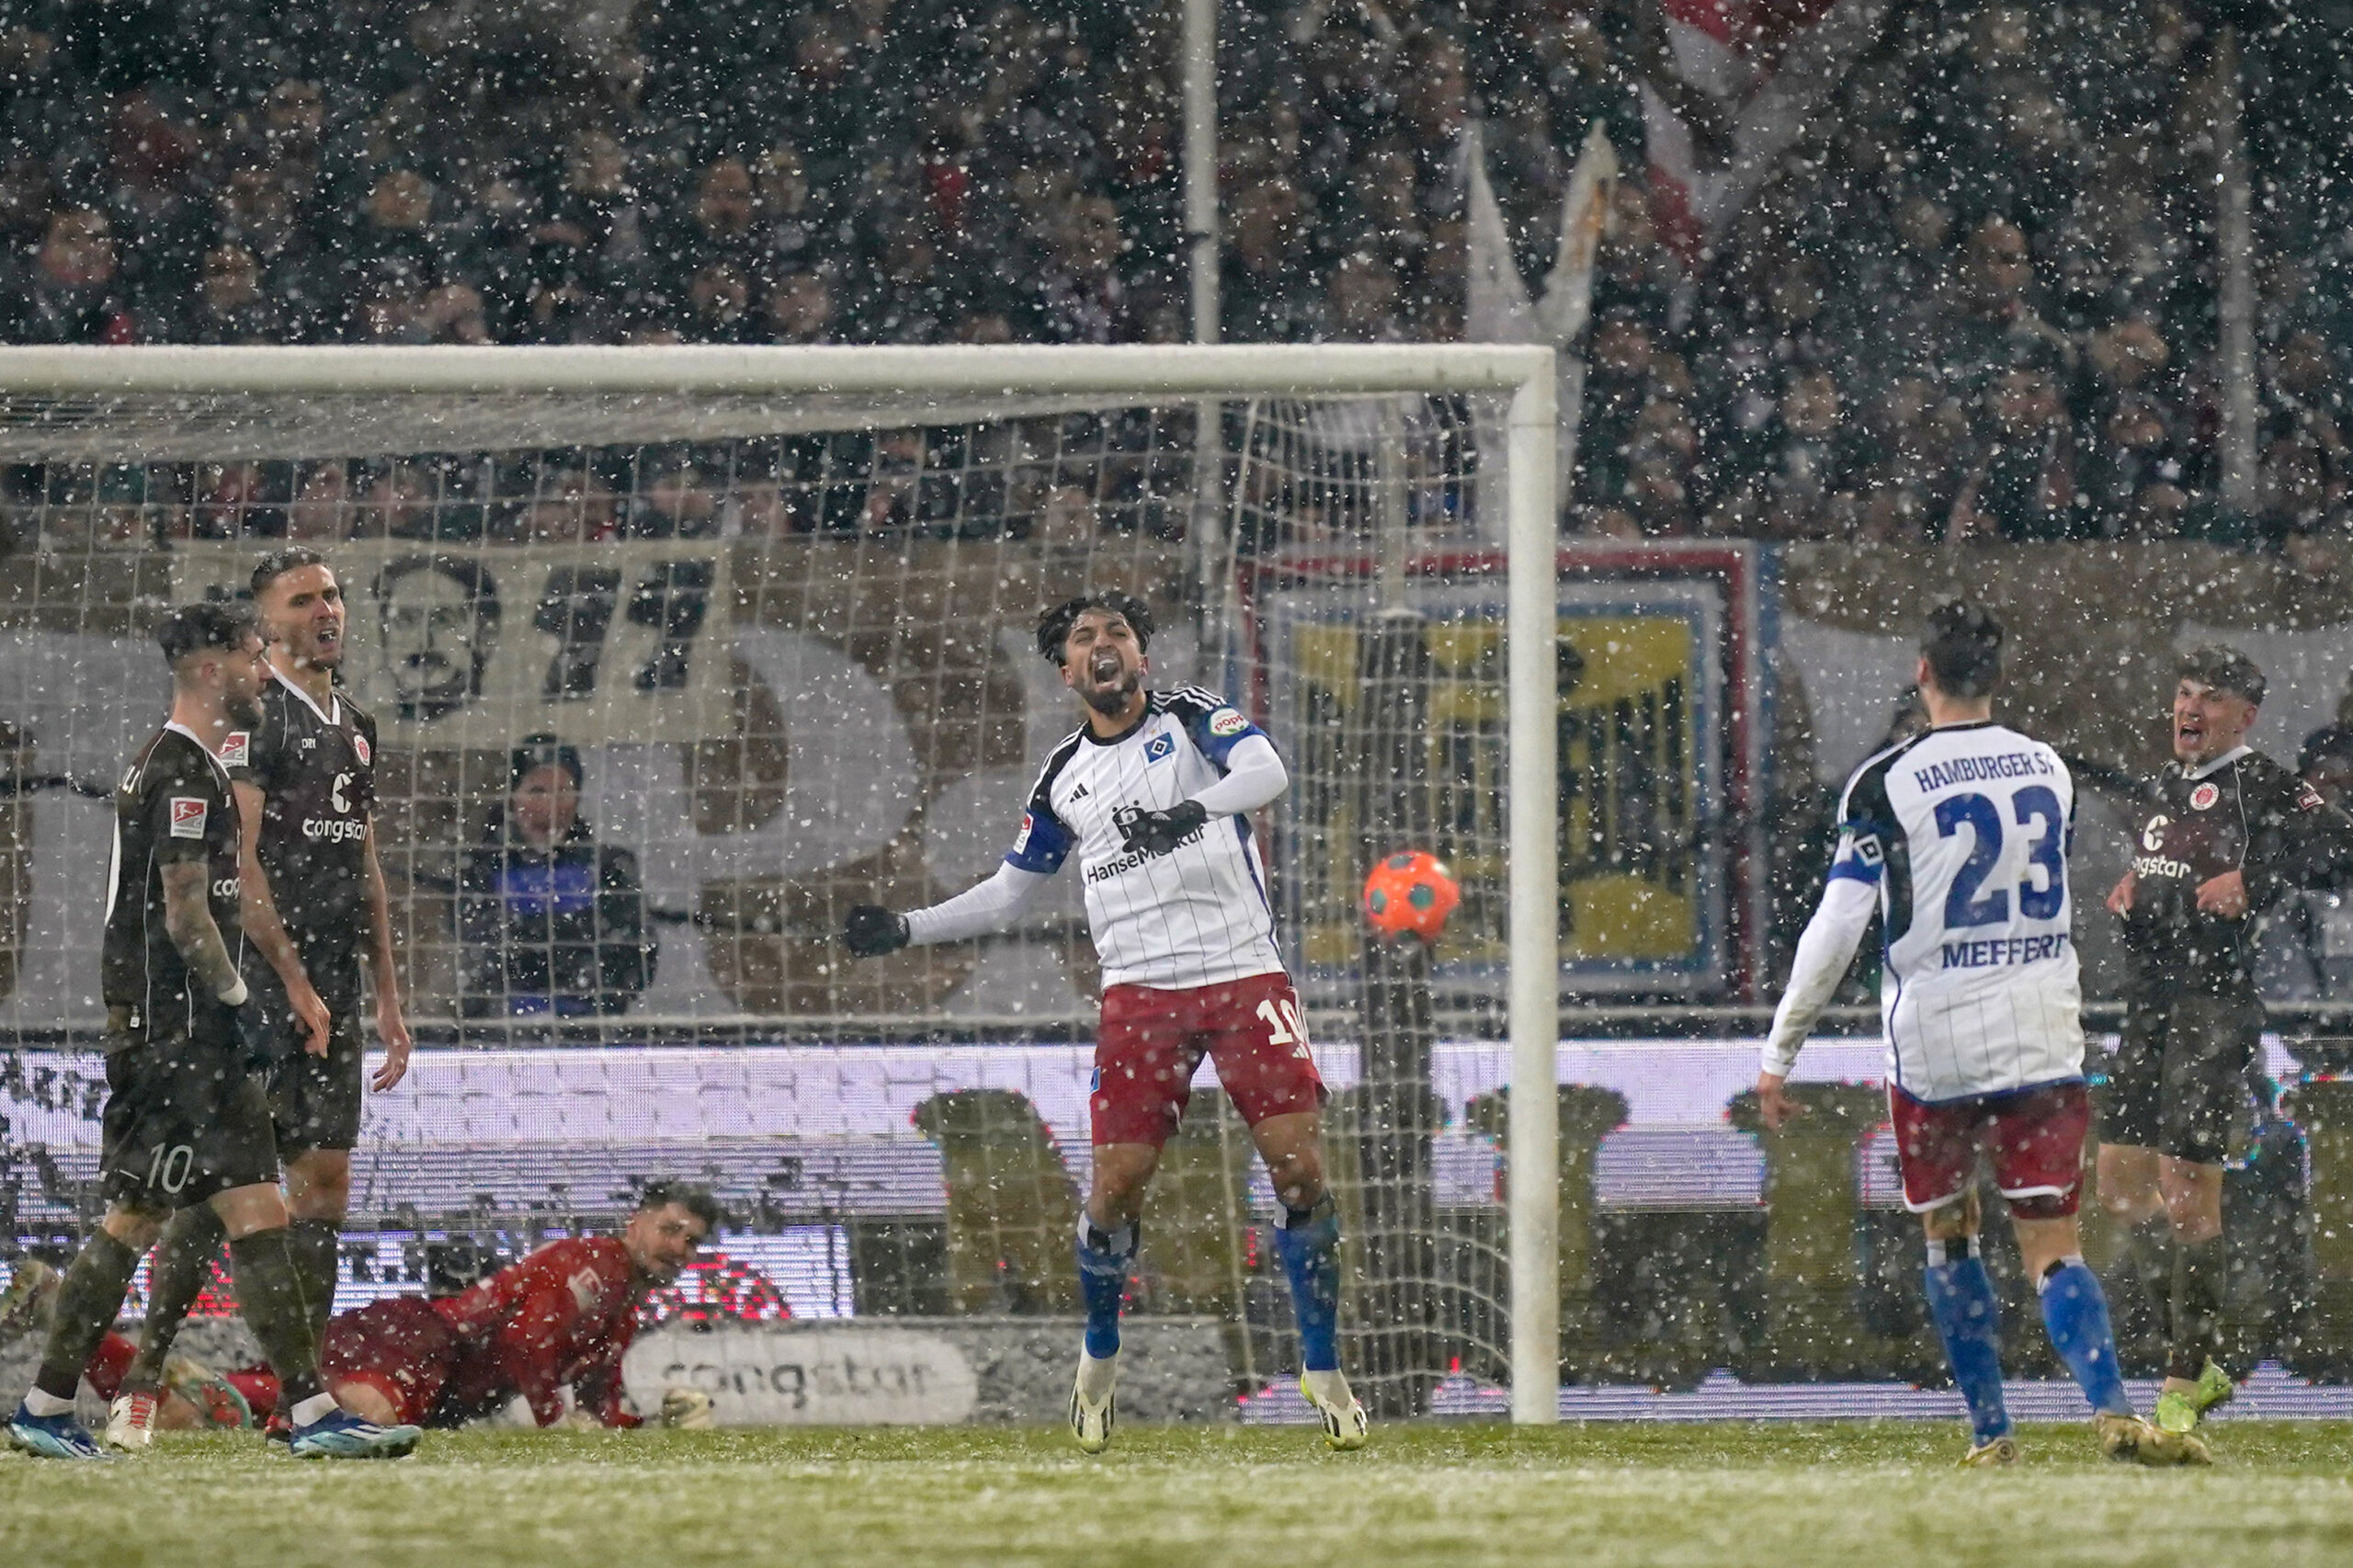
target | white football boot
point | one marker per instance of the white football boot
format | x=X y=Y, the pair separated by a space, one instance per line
x=1093 y=1405
x=130 y=1423
x=1345 y=1426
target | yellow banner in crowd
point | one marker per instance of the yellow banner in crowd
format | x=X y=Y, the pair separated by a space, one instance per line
x=1639 y=738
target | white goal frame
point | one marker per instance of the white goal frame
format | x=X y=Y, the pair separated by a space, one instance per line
x=78 y=386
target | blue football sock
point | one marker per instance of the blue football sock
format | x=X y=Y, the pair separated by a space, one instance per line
x=1308 y=1240
x=2075 y=1313
x=1103 y=1259
x=1969 y=1319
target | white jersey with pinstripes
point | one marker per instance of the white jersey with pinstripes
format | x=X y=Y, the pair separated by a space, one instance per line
x=1197 y=915
x=1965 y=831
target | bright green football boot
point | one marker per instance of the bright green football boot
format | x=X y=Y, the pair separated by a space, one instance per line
x=2179 y=1409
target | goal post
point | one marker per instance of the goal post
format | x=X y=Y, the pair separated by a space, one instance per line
x=155 y=405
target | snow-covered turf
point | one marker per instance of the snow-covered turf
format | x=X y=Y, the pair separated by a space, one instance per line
x=1851 y=1496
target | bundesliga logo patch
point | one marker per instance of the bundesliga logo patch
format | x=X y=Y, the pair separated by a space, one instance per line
x=1226 y=721
x=235 y=748
x=359 y=748
x=2203 y=797
x=187 y=817
x=1021 y=840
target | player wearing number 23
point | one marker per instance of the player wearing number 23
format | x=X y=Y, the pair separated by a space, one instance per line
x=1151 y=794
x=1956 y=839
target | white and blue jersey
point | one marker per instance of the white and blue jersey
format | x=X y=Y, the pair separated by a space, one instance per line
x=1964 y=833
x=1197 y=915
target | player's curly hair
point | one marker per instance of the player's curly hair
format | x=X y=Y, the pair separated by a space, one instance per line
x=1054 y=625
x=1963 y=648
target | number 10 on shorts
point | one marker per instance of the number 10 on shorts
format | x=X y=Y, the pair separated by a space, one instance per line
x=168 y=1171
x=1284 y=1026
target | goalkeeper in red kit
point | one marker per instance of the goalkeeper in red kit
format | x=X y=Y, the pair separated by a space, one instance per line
x=559 y=1318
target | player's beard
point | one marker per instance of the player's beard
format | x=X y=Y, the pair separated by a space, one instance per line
x=243 y=708
x=1110 y=696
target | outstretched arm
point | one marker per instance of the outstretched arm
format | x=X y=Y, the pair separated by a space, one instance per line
x=873 y=930
x=991 y=906
x=1823 y=953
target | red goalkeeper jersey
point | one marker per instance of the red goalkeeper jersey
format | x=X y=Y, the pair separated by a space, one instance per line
x=559 y=1318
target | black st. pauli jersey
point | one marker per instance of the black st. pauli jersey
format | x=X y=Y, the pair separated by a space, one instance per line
x=2241 y=813
x=316 y=769
x=174 y=803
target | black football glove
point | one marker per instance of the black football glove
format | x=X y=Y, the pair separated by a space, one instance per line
x=257 y=1031
x=871 y=931
x=1156 y=832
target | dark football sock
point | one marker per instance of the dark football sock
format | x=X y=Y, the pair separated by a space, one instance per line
x=2149 y=1250
x=2201 y=1272
x=313 y=1242
x=181 y=1270
x=87 y=1300
x=275 y=1306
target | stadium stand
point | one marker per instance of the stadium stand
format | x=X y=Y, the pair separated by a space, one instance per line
x=2009 y=197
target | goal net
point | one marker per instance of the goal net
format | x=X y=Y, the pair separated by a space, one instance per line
x=677 y=654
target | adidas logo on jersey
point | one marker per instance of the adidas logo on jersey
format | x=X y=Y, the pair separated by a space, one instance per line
x=1078 y=794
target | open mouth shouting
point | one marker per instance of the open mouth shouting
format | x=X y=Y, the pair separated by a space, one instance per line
x=1109 y=681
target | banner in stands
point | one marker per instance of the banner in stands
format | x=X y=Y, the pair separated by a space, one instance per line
x=467 y=646
x=1656 y=711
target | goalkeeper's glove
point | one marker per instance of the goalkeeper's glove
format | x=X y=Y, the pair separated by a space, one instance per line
x=687 y=1409
x=1156 y=832
x=872 y=931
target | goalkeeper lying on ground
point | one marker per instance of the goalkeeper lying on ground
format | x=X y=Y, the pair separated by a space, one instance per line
x=558 y=1319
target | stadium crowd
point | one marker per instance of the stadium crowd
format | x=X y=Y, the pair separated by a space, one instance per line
x=2018 y=280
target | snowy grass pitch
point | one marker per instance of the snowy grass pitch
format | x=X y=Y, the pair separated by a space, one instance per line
x=1849 y=1496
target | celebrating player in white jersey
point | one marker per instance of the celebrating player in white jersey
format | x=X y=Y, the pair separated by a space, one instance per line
x=1153 y=794
x=1958 y=839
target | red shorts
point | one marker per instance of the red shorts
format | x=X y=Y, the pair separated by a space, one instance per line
x=2035 y=1138
x=1153 y=1039
x=400 y=1346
